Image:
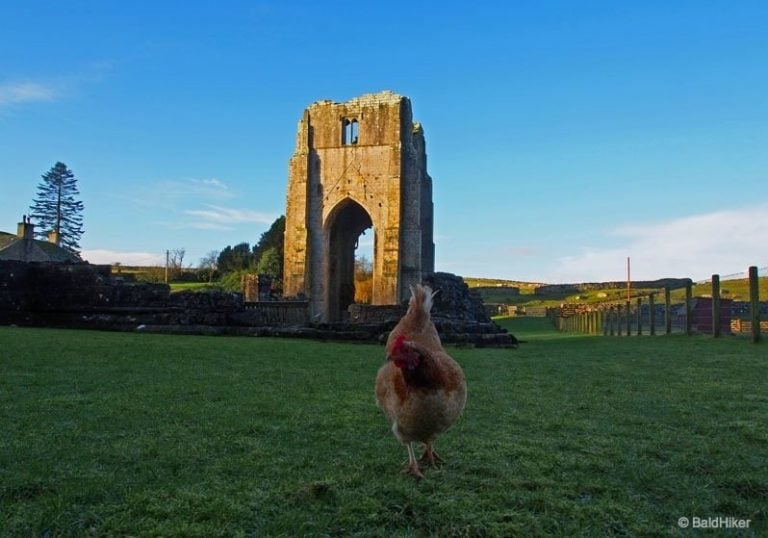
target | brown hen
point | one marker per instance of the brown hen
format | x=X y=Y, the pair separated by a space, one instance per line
x=421 y=389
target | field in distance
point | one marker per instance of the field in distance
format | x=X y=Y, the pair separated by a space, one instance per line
x=514 y=292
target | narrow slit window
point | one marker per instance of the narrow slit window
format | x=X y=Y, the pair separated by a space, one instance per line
x=345 y=131
x=349 y=132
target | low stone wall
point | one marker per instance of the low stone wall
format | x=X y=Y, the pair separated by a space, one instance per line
x=51 y=286
x=365 y=313
x=555 y=289
x=85 y=296
x=274 y=313
x=500 y=309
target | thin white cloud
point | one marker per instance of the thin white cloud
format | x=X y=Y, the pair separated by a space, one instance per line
x=170 y=194
x=230 y=215
x=697 y=246
x=522 y=251
x=211 y=182
x=208 y=189
x=208 y=226
x=108 y=257
x=25 y=91
x=14 y=93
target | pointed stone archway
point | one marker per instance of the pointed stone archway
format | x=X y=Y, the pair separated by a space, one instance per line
x=357 y=164
x=344 y=225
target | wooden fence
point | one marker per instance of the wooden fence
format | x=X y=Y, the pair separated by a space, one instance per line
x=644 y=315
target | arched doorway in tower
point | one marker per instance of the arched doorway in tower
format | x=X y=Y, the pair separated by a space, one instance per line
x=346 y=222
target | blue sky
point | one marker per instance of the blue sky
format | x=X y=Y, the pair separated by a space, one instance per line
x=562 y=137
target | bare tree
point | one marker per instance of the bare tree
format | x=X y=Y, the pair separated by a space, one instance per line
x=208 y=264
x=363 y=280
x=176 y=261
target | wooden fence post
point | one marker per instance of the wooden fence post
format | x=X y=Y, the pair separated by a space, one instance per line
x=639 y=316
x=651 y=314
x=754 y=300
x=611 y=319
x=619 y=320
x=716 y=306
x=667 y=310
x=629 y=318
x=688 y=313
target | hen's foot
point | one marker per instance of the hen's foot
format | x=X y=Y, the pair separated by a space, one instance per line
x=430 y=457
x=413 y=469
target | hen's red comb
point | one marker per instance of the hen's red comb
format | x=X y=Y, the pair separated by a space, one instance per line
x=399 y=343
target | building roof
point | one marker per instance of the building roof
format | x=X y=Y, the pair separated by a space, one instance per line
x=13 y=247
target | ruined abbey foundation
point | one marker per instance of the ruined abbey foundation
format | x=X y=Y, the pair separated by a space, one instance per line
x=357 y=165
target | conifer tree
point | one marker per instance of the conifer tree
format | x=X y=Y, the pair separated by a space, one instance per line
x=57 y=208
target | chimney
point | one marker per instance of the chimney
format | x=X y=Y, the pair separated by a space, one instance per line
x=25 y=229
x=53 y=237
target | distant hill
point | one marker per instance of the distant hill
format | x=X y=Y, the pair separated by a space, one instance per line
x=519 y=293
x=473 y=282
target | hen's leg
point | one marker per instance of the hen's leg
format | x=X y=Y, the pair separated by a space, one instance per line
x=429 y=456
x=413 y=465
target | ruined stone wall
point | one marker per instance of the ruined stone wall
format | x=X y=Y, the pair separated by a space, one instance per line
x=384 y=173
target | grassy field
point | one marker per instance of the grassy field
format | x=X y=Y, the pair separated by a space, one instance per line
x=127 y=434
x=729 y=289
x=194 y=286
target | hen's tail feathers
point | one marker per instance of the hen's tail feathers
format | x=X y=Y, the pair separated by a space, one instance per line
x=422 y=297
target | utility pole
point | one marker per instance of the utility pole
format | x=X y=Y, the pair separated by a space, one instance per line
x=167 y=261
x=629 y=285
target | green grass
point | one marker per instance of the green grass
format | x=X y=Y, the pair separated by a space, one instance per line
x=194 y=286
x=128 y=434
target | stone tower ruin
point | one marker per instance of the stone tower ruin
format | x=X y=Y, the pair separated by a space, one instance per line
x=357 y=165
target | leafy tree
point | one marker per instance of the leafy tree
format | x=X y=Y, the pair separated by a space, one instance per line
x=270 y=263
x=235 y=258
x=266 y=257
x=57 y=209
x=272 y=239
x=233 y=281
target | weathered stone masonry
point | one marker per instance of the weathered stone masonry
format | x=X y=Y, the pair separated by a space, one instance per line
x=357 y=165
